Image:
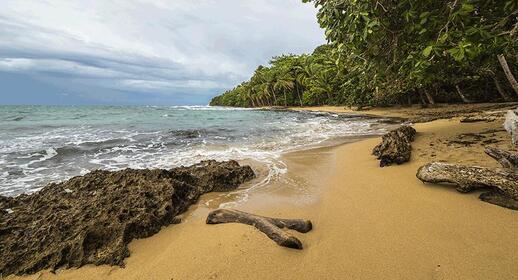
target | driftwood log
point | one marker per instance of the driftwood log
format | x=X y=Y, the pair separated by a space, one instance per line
x=511 y=125
x=395 y=146
x=474 y=119
x=505 y=158
x=503 y=183
x=269 y=226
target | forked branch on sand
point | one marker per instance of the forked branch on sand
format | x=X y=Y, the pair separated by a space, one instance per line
x=505 y=158
x=269 y=226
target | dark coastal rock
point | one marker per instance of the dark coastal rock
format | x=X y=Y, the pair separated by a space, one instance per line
x=395 y=146
x=90 y=219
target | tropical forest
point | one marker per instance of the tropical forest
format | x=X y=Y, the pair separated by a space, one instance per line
x=386 y=52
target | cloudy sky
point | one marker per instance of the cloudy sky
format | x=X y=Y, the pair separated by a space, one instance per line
x=143 y=51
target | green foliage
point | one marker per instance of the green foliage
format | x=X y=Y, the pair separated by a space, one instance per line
x=385 y=52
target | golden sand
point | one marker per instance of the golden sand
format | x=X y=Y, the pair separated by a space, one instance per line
x=369 y=223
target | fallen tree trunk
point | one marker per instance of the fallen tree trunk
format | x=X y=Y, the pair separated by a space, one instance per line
x=269 y=226
x=395 y=146
x=473 y=119
x=502 y=182
x=505 y=158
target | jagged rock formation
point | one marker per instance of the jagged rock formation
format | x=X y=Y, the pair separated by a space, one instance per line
x=90 y=219
x=395 y=146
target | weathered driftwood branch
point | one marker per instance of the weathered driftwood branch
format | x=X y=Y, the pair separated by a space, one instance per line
x=269 y=226
x=473 y=119
x=502 y=182
x=497 y=198
x=511 y=125
x=505 y=158
x=395 y=146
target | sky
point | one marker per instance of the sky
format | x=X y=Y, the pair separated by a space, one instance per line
x=175 y=52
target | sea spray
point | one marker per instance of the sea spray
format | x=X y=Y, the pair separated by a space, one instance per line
x=55 y=143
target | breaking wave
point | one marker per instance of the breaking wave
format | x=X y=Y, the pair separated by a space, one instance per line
x=56 y=143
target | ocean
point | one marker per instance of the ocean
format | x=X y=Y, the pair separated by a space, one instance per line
x=43 y=144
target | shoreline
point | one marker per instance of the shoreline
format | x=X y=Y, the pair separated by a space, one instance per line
x=416 y=113
x=370 y=222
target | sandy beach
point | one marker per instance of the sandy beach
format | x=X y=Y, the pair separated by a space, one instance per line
x=369 y=222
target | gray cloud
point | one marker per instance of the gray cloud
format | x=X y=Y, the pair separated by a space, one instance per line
x=160 y=47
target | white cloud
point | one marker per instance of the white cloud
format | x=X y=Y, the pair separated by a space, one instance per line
x=162 y=44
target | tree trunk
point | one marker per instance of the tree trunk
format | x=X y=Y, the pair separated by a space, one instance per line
x=298 y=93
x=500 y=90
x=423 y=101
x=269 y=226
x=429 y=97
x=409 y=100
x=508 y=73
x=464 y=99
x=285 y=98
x=328 y=98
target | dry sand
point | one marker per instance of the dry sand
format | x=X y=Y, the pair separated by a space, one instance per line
x=369 y=222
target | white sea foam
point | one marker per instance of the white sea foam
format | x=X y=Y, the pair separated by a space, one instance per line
x=144 y=138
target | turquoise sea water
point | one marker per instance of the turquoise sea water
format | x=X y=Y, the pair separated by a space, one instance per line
x=42 y=144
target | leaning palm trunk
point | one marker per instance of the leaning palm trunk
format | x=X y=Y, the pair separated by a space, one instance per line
x=500 y=89
x=274 y=97
x=298 y=93
x=429 y=97
x=508 y=73
x=462 y=96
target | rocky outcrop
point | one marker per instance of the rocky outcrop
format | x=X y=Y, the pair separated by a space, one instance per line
x=395 y=146
x=90 y=219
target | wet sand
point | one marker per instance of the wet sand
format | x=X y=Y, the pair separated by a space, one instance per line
x=369 y=222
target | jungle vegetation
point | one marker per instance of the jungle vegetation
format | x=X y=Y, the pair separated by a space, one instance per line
x=383 y=52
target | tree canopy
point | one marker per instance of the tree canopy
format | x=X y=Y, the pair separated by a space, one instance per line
x=385 y=52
